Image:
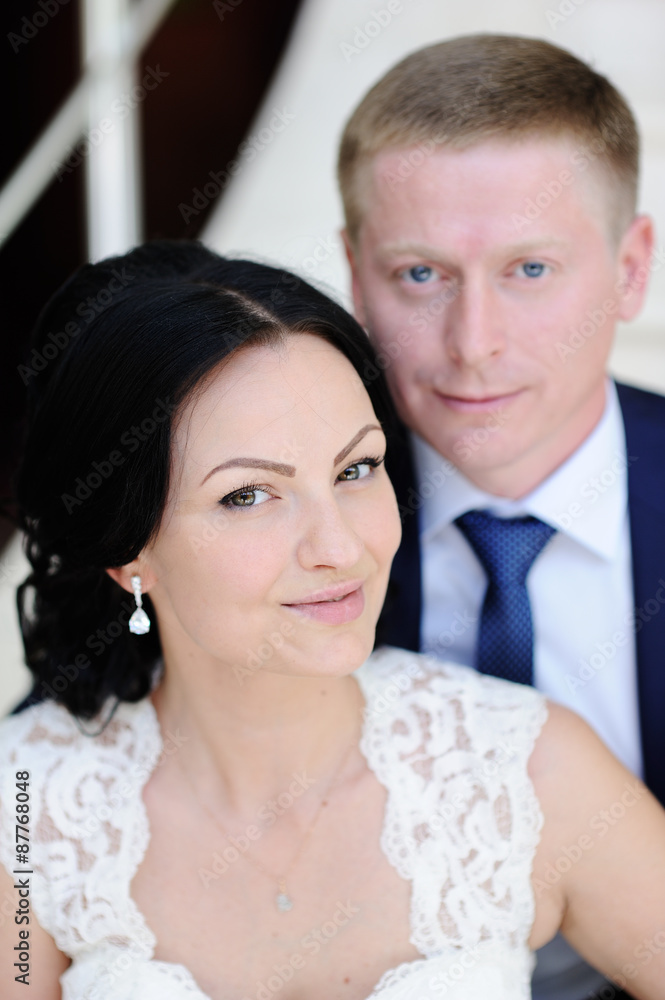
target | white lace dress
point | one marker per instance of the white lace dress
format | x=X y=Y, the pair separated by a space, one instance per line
x=462 y=823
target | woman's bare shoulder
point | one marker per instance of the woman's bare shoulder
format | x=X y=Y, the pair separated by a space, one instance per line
x=602 y=850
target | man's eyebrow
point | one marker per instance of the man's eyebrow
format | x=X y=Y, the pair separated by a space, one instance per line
x=421 y=249
x=437 y=253
x=528 y=246
x=280 y=467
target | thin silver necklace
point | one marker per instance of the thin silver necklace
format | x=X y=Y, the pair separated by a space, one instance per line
x=283 y=900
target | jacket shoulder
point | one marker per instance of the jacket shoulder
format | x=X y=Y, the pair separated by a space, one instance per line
x=641 y=405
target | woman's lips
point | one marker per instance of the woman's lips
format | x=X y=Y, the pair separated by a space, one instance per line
x=334 y=611
x=470 y=404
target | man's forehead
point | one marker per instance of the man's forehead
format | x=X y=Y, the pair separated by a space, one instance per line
x=519 y=184
x=497 y=158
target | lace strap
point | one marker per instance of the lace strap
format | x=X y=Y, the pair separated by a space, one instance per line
x=88 y=826
x=462 y=820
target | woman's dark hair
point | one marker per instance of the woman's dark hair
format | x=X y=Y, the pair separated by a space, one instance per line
x=115 y=354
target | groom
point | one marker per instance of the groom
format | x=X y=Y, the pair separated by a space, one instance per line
x=489 y=187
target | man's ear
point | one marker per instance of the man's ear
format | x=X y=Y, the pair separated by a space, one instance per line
x=356 y=289
x=123 y=576
x=634 y=266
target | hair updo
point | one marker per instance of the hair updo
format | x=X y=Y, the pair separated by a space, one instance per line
x=123 y=344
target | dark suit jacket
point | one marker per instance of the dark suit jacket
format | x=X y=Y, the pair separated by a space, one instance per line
x=644 y=420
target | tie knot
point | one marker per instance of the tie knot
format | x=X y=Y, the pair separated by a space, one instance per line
x=506 y=547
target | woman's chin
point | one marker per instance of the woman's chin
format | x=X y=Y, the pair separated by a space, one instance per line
x=337 y=656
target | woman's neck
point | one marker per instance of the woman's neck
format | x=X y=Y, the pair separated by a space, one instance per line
x=243 y=744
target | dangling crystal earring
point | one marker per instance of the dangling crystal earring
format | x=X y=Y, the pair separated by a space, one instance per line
x=139 y=623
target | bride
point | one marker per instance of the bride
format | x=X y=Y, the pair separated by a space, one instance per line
x=229 y=795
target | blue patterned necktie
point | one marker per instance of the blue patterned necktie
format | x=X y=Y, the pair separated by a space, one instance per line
x=507 y=548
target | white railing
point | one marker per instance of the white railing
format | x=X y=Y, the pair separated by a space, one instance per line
x=113 y=33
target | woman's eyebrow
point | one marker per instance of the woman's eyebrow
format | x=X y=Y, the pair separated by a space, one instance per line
x=280 y=467
x=351 y=445
x=254 y=463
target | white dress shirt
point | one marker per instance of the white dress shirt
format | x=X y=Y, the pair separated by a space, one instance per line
x=580 y=586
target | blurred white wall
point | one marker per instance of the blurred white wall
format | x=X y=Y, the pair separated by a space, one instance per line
x=14 y=676
x=282 y=204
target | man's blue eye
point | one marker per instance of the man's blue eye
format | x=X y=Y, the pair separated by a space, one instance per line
x=420 y=273
x=533 y=268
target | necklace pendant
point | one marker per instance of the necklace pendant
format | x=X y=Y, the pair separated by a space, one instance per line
x=284 y=902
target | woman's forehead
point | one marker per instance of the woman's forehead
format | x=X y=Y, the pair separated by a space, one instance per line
x=263 y=393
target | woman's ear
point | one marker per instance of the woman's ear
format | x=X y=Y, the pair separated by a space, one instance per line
x=123 y=576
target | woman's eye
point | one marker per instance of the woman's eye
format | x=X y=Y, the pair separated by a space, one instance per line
x=421 y=274
x=532 y=268
x=248 y=496
x=359 y=470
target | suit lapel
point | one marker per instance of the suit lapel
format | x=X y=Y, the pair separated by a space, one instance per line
x=644 y=421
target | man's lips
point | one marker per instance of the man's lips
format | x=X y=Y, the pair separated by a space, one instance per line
x=477 y=404
x=335 y=605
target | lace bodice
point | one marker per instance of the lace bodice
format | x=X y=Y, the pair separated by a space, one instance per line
x=461 y=824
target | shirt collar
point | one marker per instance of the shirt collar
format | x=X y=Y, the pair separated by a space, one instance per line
x=586 y=498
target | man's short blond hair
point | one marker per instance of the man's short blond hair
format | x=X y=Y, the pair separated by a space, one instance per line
x=477 y=88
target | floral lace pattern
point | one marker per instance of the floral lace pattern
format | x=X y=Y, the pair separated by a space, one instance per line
x=462 y=824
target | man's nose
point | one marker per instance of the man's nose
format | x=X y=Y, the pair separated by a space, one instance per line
x=473 y=325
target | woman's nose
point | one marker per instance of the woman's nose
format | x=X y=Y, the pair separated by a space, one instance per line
x=329 y=539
